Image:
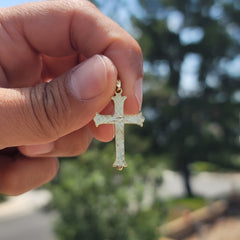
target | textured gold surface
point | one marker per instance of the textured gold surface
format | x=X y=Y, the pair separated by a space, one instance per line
x=119 y=119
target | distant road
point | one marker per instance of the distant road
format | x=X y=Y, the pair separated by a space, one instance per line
x=208 y=185
x=34 y=226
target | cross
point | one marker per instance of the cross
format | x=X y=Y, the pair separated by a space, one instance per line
x=119 y=119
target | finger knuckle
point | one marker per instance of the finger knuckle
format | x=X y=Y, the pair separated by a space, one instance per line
x=49 y=107
x=76 y=4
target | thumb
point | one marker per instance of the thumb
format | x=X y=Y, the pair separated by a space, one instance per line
x=47 y=111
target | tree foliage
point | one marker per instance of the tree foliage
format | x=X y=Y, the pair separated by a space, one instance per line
x=96 y=202
x=192 y=98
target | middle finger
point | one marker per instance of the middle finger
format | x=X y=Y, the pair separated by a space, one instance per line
x=72 y=144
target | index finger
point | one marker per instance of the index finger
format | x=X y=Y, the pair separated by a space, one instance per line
x=61 y=28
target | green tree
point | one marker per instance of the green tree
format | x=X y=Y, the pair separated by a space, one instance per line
x=97 y=202
x=192 y=90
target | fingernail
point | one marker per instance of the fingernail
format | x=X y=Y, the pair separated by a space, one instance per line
x=138 y=91
x=89 y=79
x=35 y=150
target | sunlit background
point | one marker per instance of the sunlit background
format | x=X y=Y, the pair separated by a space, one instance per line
x=183 y=179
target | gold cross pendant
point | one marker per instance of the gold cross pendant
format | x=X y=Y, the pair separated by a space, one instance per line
x=119 y=120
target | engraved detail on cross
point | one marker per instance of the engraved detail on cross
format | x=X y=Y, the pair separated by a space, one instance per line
x=119 y=120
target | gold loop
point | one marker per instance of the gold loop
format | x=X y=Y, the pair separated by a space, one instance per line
x=118 y=87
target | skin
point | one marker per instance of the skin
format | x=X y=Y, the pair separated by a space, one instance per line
x=41 y=44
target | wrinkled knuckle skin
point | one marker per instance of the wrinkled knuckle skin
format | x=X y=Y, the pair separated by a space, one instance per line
x=76 y=4
x=50 y=107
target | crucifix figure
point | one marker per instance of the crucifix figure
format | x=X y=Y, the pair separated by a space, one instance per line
x=119 y=120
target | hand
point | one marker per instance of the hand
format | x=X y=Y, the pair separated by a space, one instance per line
x=59 y=62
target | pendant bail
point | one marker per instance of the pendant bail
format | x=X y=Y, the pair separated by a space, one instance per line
x=119 y=119
x=118 y=87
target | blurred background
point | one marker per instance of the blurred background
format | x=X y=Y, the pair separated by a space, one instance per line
x=183 y=178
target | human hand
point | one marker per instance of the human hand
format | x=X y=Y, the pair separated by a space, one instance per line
x=53 y=79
